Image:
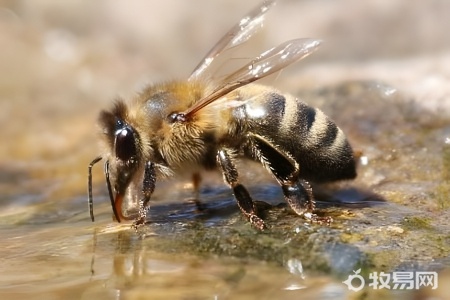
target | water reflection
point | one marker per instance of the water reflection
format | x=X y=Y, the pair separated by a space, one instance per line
x=138 y=272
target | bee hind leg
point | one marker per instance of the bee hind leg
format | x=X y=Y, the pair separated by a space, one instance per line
x=297 y=192
x=241 y=194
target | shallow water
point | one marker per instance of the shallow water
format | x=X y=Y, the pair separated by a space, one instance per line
x=394 y=217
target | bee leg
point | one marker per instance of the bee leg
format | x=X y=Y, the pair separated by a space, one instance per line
x=148 y=186
x=196 y=180
x=241 y=194
x=297 y=192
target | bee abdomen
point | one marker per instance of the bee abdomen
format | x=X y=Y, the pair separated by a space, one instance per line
x=319 y=132
x=318 y=144
x=307 y=134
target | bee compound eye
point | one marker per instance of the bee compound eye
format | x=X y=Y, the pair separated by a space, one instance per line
x=125 y=144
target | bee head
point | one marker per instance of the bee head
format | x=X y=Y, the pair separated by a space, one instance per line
x=125 y=154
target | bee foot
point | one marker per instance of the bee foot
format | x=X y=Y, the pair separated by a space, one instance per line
x=138 y=223
x=315 y=219
x=201 y=207
x=257 y=222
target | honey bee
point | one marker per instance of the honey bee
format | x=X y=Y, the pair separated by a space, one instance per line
x=201 y=124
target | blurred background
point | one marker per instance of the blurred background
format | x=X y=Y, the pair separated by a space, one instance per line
x=62 y=62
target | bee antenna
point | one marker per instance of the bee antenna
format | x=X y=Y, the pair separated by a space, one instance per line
x=90 y=200
x=111 y=197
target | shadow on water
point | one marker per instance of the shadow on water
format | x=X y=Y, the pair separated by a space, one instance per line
x=218 y=204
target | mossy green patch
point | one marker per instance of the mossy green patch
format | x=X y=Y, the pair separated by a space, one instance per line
x=416 y=223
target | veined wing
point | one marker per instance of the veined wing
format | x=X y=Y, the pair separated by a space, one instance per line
x=267 y=63
x=238 y=34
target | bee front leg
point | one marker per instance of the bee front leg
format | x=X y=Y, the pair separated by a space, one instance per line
x=148 y=186
x=241 y=194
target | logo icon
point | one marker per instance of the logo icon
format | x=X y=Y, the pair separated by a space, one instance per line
x=349 y=281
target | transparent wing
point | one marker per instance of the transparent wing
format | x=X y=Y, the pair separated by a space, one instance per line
x=265 y=64
x=238 y=34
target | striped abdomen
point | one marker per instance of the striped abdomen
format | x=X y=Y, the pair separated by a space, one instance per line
x=306 y=133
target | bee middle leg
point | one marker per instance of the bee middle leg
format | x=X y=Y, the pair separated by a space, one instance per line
x=241 y=194
x=297 y=192
x=196 y=180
